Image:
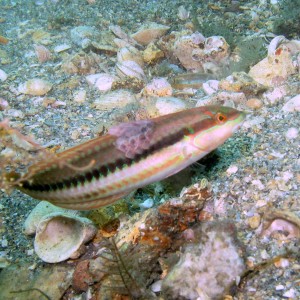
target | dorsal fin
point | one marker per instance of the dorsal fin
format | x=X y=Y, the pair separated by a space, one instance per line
x=133 y=137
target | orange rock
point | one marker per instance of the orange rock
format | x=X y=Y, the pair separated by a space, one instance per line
x=81 y=277
x=3 y=40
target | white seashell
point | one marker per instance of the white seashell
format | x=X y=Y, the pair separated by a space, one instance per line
x=60 y=235
x=292 y=105
x=210 y=86
x=147 y=33
x=130 y=68
x=183 y=13
x=43 y=54
x=80 y=96
x=189 y=49
x=3 y=75
x=121 y=43
x=146 y=204
x=61 y=48
x=102 y=81
x=41 y=210
x=158 y=87
x=216 y=48
x=156 y=286
x=35 y=87
x=275 y=43
x=130 y=53
x=3 y=104
x=168 y=105
x=115 y=100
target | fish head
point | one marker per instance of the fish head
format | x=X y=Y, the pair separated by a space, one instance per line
x=220 y=124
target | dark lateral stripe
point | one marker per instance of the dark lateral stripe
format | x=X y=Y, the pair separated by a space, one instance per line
x=104 y=170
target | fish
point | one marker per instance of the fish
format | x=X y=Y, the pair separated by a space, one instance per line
x=190 y=80
x=131 y=155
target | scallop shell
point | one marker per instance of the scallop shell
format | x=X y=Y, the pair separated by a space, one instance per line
x=183 y=13
x=35 y=87
x=130 y=68
x=43 y=54
x=147 y=33
x=102 y=81
x=60 y=236
x=130 y=53
x=41 y=210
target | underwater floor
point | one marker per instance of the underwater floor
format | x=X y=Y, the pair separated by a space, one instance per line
x=225 y=227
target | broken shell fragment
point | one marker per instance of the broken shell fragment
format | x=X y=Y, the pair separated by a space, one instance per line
x=292 y=105
x=183 y=13
x=3 y=75
x=42 y=53
x=130 y=68
x=158 y=87
x=35 y=87
x=149 y=32
x=152 y=54
x=115 y=100
x=130 y=53
x=169 y=105
x=60 y=236
x=275 y=43
x=101 y=81
x=281 y=221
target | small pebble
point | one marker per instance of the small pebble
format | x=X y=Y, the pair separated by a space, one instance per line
x=282 y=263
x=30 y=252
x=75 y=135
x=232 y=170
x=286 y=176
x=292 y=133
x=292 y=105
x=80 y=96
x=3 y=75
x=156 y=286
x=261 y=203
x=291 y=293
x=3 y=104
x=61 y=48
x=254 y=221
x=4 y=243
x=279 y=287
x=264 y=254
x=254 y=103
x=189 y=234
x=146 y=204
x=32 y=267
x=258 y=184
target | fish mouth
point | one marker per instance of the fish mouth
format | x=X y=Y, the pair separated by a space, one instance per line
x=240 y=120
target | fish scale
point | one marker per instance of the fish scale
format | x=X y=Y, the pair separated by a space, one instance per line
x=132 y=155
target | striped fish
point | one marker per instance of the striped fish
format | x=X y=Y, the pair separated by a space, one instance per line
x=132 y=155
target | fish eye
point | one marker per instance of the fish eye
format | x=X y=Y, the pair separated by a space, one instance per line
x=220 y=118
